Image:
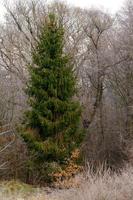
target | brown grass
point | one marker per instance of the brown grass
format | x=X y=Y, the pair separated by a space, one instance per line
x=101 y=186
x=106 y=186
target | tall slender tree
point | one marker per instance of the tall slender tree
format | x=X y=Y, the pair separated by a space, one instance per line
x=53 y=113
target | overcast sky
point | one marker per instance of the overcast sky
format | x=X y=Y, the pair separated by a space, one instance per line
x=109 y=5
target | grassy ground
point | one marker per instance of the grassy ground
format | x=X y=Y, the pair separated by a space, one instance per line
x=97 y=187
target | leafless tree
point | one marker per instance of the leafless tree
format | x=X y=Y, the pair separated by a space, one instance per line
x=101 y=49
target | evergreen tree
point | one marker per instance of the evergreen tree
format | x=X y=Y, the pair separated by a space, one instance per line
x=53 y=113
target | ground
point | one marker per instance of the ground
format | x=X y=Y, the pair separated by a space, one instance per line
x=102 y=186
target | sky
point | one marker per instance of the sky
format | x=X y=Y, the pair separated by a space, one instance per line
x=109 y=5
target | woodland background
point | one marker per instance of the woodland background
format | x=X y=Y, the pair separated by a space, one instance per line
x=102 y=49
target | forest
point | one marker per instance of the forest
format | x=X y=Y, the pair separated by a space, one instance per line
x=66 y=99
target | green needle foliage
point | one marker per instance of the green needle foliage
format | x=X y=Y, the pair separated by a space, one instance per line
x=54 y=115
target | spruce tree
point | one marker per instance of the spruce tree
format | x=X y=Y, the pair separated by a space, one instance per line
x=53 y=113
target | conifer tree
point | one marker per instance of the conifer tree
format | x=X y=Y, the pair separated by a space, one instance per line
x=53 y=113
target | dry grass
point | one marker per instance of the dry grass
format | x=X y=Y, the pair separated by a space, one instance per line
x=106 y=186
x=102 y=186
